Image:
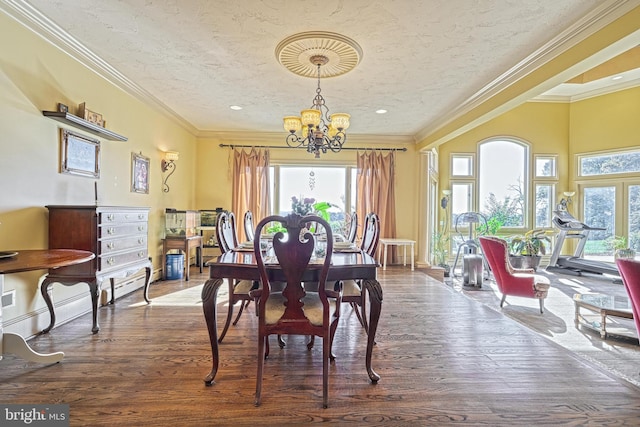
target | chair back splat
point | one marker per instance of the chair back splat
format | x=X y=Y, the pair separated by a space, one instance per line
x=249 y=228
x=630 y=273
x=226 y=231
x=353 y=228
x=294 y=310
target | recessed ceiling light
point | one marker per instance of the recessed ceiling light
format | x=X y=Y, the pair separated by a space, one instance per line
x=381 y=111
x=236 y=107
x=616 y=77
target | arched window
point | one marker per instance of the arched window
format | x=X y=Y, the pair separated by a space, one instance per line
x=503 y=179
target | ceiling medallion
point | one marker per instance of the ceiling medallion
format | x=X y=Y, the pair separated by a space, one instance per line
x=325 y=55
x=295 y=53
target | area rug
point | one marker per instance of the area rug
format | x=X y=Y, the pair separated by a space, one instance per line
x=619 y=354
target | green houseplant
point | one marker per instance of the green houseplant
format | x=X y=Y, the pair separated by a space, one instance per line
x=526 y=249
x=620 y=247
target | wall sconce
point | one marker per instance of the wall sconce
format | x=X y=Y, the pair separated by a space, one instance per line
x=168 y=163
x=566 y=200
x=445 y=200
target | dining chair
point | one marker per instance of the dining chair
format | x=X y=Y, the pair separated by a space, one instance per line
x=520 y=282
x=249 y=229
x=238 y=289
x=295 y=310
x=353 y=228
x=630 y=273
x=352 y=290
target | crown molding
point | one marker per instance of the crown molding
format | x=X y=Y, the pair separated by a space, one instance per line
x=32 y=19
x=603 y=15
x=590 y=94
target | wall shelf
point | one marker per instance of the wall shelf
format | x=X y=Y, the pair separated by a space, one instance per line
x=82 y=124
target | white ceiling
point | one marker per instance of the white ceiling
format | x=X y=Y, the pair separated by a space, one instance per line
x=422 y=59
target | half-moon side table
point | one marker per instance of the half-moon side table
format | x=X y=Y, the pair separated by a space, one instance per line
x=28 y=260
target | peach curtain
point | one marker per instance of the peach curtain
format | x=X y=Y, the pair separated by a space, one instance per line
x=250 y=186
x=376 y=190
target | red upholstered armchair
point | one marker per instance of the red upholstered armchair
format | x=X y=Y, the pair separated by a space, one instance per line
x=630 y=272
x=512 y=281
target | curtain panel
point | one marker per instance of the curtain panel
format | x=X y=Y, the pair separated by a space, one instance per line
x=376 y=191
x=250 y=186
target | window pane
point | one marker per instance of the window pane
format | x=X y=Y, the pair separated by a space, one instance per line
x=460 y=200
x=543 y=205
x=461 y=166
x=501 y=174
x=605 y=164
x=599 y=211
x=545 y=167
x=634 y=217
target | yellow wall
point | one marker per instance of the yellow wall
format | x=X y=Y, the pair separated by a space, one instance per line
x=35 y=76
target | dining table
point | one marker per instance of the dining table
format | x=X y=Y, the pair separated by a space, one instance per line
x=241 y=264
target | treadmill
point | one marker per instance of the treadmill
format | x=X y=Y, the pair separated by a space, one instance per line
x=571 y=228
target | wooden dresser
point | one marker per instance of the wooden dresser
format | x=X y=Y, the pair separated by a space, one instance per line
x=117 y=235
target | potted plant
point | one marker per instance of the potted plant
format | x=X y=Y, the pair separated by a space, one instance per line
x=526 y=250
x=441 y=251
x=620 y=247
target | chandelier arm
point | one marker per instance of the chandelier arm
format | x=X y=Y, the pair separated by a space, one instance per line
x=294 y=140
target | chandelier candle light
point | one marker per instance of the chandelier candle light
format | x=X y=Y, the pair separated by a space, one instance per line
x=305 y=54
x=320 y=131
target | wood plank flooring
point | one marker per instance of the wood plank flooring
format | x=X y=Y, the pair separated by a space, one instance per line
x=444 y=359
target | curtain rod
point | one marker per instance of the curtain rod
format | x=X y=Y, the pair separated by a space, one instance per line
x=298 y=148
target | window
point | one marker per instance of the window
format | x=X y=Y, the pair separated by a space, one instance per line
x=633 y=220
x=544 y=203
x=546 y=167
x=332 y=184
x=599 y=212
x=462 y=165
x=503 y=178
x=607 y=164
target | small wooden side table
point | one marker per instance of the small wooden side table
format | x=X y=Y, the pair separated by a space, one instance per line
x=28 y=260
x=396 y=242
x=183 y=244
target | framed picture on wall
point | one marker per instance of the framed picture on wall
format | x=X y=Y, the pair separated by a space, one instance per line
x=139 y=173
x=79 y=155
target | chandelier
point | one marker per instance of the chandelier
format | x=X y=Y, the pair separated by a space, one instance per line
x=319 y=130
x=318 y=54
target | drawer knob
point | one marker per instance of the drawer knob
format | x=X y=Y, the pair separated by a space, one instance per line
x=111 y=230
x=111 y=245
x=140 y=254
x=141 y=228
x=141 y=240
x=111 y=217
x=141 y=216
x=111 y=261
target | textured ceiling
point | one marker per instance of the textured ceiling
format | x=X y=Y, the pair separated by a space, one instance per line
x=421 y=58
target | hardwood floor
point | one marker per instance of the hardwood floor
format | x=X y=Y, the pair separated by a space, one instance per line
x=444 y=359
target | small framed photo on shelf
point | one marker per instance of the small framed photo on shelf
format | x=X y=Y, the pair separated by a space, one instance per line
x=139 y=173
x=62 y=108
x=79 y=155
x=90 y=116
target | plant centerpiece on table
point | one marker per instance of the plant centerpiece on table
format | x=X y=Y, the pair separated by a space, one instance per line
x=527 y=249
x=620 y=247
x=303 y=205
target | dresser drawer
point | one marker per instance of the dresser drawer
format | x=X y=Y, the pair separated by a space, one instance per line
x=121 y=230
x=108 y=262
x=108 y=246
x=121 y=217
